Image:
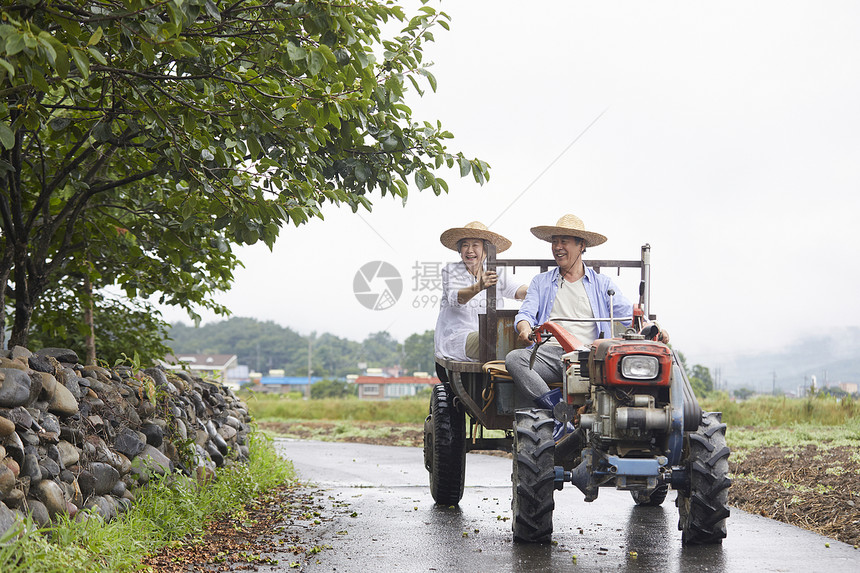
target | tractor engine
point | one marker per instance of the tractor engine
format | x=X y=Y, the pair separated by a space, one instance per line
x=629 y=382
x=618 y=396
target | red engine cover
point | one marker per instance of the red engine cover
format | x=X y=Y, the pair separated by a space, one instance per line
x=607 y=354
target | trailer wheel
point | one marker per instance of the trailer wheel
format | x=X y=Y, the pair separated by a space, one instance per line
x=650 y=498
x=445 y=447
x=703 y=508
x=533 y=477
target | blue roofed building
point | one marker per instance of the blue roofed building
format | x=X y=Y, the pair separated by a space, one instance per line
x=283 y=384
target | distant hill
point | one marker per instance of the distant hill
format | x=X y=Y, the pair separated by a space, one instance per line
x=833 y=358
x=266 y=345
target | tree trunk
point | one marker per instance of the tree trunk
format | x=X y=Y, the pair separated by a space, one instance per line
x=21 y=326
x=5 y=270
x=90 y=341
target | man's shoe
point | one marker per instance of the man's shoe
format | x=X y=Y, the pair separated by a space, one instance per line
x=547 y=402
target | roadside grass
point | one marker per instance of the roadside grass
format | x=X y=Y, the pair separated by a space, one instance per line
x=168 y=511
x=276 y=408
x=780 y=411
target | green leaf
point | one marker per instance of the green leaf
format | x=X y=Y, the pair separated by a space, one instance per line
x=8 y=67
x=465 y=166
x=81 y=62
x=14 y=44
x=295 y=52
x=362 y=173
x=317 y=62
x=7 y=137
x=97 y=35
x=421 y=180
x=97 y=55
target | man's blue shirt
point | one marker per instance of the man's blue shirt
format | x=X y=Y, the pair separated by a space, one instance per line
x=543 y=288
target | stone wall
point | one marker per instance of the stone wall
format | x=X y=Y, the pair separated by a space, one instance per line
x=76 y=437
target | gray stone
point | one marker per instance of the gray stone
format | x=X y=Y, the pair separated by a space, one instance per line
x=227 y=432
x=214 y=454
x=14 y=387
x=53 y=452
x=157 y=376
x=51 y=494
x=50 y=468
x=69 y=454
x=20 y=352
x=101 y=506
x=152 y=460
x=8 y=519
x=220 y=444
x=29 y=437
x=14 y=447
x=22 y=418
x=101 y=374
x=14 y=499
x=35 y=386
x=154 y=434
x=50 y=423
x=181 y=429
x=38 y=512
x=130 y=443
x=63 y=403
x=86 y=483
x=71 y=435
x=118 y=489
x=61 y=354
x=105 y=477
x=41 y=364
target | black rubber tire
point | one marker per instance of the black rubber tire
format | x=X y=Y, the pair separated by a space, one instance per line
x=651 y=498
x=704 y=508
x=533 y=477
x=445 y=447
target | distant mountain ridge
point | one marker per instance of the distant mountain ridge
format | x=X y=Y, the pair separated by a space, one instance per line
x=831 y=359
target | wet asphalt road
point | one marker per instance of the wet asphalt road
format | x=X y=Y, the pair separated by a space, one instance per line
x=388 y=522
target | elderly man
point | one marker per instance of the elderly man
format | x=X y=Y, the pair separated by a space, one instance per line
x=570 y=290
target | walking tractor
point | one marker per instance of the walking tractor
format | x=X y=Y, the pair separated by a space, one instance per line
x=633 y=421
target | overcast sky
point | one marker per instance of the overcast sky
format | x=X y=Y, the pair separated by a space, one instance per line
x=727 y=136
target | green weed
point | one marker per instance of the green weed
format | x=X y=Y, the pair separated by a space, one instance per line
x=167 y=510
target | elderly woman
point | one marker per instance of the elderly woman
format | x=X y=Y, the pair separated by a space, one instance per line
x=463 y=286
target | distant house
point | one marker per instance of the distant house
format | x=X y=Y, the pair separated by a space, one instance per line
x=379 y=388
x=204 y=365
x=272 y=383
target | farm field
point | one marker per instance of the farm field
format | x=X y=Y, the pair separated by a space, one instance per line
x=797 y=461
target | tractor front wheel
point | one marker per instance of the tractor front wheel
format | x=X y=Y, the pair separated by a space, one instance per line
x=533 y=477
x=703 y=508
x=445 y=447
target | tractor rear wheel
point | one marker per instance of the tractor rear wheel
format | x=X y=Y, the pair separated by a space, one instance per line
x=650 y=498
x=445 y=447
x=703 y=509
x=533 y=477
